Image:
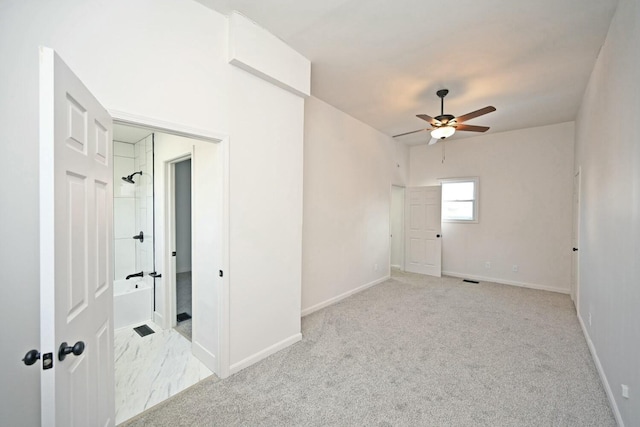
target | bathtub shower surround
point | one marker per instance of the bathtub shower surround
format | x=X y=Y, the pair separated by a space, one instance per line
x=132 y=302
x=143 y=161
x=133 y=231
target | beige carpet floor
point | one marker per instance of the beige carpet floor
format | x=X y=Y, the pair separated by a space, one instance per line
x=414 y=351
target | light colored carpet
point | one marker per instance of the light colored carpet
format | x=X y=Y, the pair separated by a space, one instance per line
x=414 y=351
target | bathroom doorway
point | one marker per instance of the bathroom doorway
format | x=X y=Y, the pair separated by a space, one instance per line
x=154 y=360
x=182 y=244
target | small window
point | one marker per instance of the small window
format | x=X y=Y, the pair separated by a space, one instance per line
x=460 y=200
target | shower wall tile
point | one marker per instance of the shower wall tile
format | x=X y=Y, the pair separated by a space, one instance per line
x=123 y=166
x=125 y=258
x=141 y=219
x=123 y=149
x=124 y=214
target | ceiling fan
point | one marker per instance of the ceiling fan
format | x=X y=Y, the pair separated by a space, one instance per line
x=445 y=125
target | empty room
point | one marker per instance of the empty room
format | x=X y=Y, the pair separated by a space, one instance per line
x=397 y=213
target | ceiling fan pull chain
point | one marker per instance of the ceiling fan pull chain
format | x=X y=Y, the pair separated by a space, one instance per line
x=444 y=141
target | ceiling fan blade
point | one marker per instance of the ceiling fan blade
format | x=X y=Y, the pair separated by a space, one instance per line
x=472 y=128
x=474 y=114
x=430 y=119
x=408 y=133
x=433 y=141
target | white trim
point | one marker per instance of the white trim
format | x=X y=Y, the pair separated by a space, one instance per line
x=46 y=148
x=265 y=353
x=603 y=377
x=340 y=297
x=206 y=357
x=171 y=128
x=507 y=282
x=158 y=319
x=476 y=193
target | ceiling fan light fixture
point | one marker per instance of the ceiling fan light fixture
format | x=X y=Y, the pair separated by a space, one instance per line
x=443 y=132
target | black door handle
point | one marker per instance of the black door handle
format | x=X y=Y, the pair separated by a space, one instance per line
x=139 y=237
x=31 y=357
x=438 y=236
x=155 y=275
x=64 y=349
x=575 y=249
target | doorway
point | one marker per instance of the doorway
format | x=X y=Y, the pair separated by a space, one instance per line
x=142 y=378
x=182 y=240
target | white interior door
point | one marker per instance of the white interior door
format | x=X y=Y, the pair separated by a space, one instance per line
x=209 y=320
x=423 y=245
x=76 y=223
x=575 y=258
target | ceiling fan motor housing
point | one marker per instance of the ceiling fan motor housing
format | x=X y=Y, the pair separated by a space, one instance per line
x=444 y=119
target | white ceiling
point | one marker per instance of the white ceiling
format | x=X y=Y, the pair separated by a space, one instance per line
x=381 y=61
x=130 y=134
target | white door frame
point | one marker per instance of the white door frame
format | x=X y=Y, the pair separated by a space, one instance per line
x=575 y=241
x=402 y=232
x=170 y=235
x=121 y=117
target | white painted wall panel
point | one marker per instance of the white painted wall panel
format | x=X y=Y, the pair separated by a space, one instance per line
x=349 y=169
x=609 y=159
x=266 y=217
x=525 y=194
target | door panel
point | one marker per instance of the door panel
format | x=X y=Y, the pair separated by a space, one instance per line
x=424 y=249
x=76 y=294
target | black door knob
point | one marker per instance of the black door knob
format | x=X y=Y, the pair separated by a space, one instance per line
x=438 y=236
x=31 y=357
x=64 y=349
x=575 y=249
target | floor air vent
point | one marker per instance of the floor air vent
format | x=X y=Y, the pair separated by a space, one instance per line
x=183 y=316
x=144 y=330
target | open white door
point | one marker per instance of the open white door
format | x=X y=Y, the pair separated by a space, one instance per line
x=208 y=314
x=423 y=248
x=76 y=294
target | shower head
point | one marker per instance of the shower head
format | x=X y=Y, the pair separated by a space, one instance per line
x=129 y=178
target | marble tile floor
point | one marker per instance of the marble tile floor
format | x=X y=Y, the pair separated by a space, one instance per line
x=151 y=369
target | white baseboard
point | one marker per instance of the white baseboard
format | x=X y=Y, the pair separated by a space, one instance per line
x=207 y=358
x=158 y=319
x=340 y=297
x=264 y=353
x=603 y=377
x=507 y=282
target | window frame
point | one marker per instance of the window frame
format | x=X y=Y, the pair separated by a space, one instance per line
x=476 y=185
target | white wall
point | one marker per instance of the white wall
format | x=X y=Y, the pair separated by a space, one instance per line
x=177 y=71
x=183 y=216
x=348 y=171
x=609 y=159
x=266 y=210
x=525 y=195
